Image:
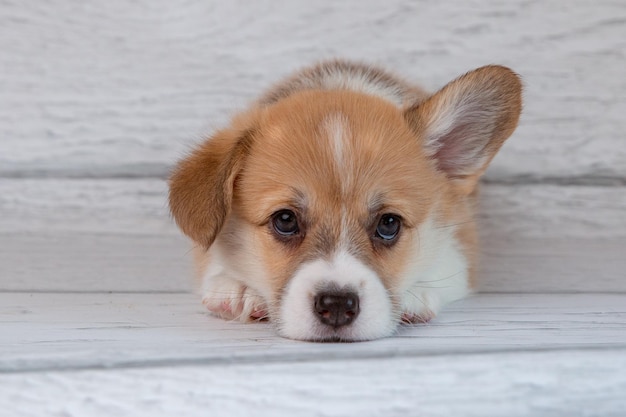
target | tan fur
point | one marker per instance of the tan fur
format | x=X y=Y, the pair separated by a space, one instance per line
x=379 y=140
x=281 y=155
x=201 y=186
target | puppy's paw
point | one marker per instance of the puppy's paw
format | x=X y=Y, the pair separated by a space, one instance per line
x=419 y=307
x=233 y=301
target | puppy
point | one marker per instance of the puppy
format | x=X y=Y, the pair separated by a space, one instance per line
x=342 y=202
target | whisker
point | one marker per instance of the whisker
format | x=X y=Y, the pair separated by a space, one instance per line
x=233 y=293
x=433 y=287
x=417 y=284
x=191 y=249
x=442 y=279
x=417 y=298
x=454 y=224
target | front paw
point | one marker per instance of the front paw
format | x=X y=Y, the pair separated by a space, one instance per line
x=419 y=307
x=233 y=301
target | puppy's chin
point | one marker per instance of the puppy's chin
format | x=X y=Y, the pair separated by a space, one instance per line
x=301 y=317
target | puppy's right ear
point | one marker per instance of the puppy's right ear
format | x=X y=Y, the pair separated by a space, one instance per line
x=201 y=185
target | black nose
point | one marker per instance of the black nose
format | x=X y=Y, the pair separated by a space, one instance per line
x=337 y=308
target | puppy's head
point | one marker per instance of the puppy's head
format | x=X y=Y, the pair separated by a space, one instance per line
x=321 y=201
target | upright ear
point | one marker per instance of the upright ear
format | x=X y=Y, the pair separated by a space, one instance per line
x=201 y=185
x=464 y=124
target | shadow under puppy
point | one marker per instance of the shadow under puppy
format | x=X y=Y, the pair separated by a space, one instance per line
x=342 y=202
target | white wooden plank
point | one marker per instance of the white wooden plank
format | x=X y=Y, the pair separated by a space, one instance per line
x=99 y=262
x=139 y=207
x=122 y=88
x=85 y=235
x=116 y=235
x=106 y=206
x=79 y=262
x=548 y=211
x=69 y=331
x=552 y=238
x=571 y=383
x=528 y=265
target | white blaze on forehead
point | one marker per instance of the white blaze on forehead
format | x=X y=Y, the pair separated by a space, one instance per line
x=297 y=317
x=337 y=130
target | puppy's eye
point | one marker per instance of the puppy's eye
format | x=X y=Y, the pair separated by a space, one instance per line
x=388 y=227
x=285 y=223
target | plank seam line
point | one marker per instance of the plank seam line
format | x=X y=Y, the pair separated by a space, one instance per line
x=296 y=358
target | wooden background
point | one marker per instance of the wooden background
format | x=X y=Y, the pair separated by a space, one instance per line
x=99 y=99
x=122 y=88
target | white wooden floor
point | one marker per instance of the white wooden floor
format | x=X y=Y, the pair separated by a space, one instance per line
x=147 y=354
x=97 y=318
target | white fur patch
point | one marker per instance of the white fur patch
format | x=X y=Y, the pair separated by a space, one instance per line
x=339 y=80
x=231 y=300
x=235 y=287
x=298 y=320
x=336 y=128
x=437 y=273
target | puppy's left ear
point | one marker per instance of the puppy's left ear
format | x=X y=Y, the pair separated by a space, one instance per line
x=465 y=123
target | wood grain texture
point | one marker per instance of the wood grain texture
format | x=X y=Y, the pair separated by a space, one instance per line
x=552 y=239
x=550 y=384
x=139 y=207
x=116 y=235
x=79 y=262
x=44 y=332
x=99 y=262
x=117 y=88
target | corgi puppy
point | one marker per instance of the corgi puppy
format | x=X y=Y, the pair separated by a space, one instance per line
x=341 y=203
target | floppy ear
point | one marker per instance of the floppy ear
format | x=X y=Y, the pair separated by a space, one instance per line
x=201 y=185
x=464 y=124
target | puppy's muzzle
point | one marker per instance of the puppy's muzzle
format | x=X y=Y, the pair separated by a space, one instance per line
x=336 y=308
